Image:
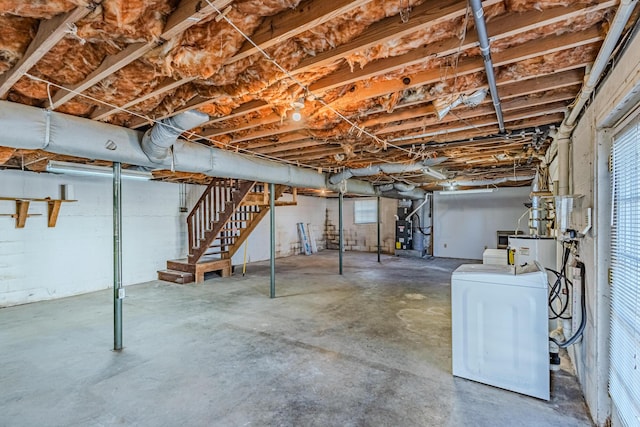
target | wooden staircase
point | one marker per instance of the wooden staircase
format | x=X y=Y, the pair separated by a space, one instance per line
x=220 y=222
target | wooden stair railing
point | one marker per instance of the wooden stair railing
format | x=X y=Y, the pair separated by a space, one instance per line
x=254 y=211
x=208 y=220
x=220 y=222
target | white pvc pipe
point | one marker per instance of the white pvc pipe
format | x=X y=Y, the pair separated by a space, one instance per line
x=563 y=166
x=625 y=9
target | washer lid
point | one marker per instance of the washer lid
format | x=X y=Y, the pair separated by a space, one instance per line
x=529 y=276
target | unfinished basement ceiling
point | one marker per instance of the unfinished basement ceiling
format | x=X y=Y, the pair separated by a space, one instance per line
x=369 y=77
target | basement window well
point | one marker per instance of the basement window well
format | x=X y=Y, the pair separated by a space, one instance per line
x=365 y=212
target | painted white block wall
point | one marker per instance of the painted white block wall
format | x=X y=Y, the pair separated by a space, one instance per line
x=40 y=263
x=466 y=224
x=590 y=177
x=309 y=210
x=361 y=237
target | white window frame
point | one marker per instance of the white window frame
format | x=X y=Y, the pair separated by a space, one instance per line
x=624 y=347
x=365 y=212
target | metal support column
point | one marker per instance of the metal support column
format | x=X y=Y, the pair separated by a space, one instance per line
x=340 y=231
x=118 y=290
x=272 y=217
x=379 y=215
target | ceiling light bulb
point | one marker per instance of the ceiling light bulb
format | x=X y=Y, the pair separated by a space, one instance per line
x=296 y=116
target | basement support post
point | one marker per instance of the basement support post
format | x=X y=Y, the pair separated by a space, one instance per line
x=272 y=218
x=378 y=210
x=340 y=231
x=118 y=290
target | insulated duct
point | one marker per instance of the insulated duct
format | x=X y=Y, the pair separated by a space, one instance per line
x=157 y=140
x=495 y=181
x=31 y=128
x=483 y=39
x=388 y=168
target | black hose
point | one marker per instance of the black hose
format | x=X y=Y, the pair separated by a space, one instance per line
x=420 y=229
x=555 y=291
x=583 y=307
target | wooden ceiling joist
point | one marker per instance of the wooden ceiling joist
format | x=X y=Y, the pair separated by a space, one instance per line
x=50 y=32
x=187 y=14
x=344 y=75
x=288 y=24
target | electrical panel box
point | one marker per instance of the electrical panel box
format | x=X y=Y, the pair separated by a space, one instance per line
x=403 y=234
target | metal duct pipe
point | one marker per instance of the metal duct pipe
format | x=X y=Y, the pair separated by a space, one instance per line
x=31 y=128
x=157 y=140
x=386 y=168
x=483 y=182
x=400 y=190
x=483 y=39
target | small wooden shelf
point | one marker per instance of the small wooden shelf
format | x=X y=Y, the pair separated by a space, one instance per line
x=22 y=209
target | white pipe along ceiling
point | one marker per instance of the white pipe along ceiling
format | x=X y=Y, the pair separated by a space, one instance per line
x=32 y=128
x=561 y=138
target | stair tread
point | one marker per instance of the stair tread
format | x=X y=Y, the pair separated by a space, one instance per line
x=175 y=276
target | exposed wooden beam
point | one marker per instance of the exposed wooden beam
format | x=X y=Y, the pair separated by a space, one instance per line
x=285 y=25
x=508 y=89
x=525 y=51
x=278 y=139
x=246 y=108
x=276 y=148
x=487 y=130
x=165 y=86
x=271 y=118
x=269 y=132
x=484 y=109
x=188 y=13
x=516 y=121
x=424 y=15
x=428 y=110
x=465 y=67
x=483 y=119
x=502 y=27
x=109 y=65
x=508 y=27
x=50 y=32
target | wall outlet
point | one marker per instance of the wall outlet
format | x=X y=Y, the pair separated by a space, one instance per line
x=445 y=245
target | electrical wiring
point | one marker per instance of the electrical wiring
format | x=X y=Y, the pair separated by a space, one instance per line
x=421 y=229
x=305 y=88
x=583 y=308
x=555 y=293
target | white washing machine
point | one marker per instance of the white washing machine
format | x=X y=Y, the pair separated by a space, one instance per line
x=495 y=256
x=499 y=327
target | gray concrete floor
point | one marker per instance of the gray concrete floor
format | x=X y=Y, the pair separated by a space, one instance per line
x=369 y=348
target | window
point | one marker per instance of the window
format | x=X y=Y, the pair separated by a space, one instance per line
x=366 y=212
x=624 y=373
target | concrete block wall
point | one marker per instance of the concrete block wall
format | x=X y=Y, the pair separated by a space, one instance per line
x=360 y=237
x=309 y=210
x=40 y=263
x=590 y=149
